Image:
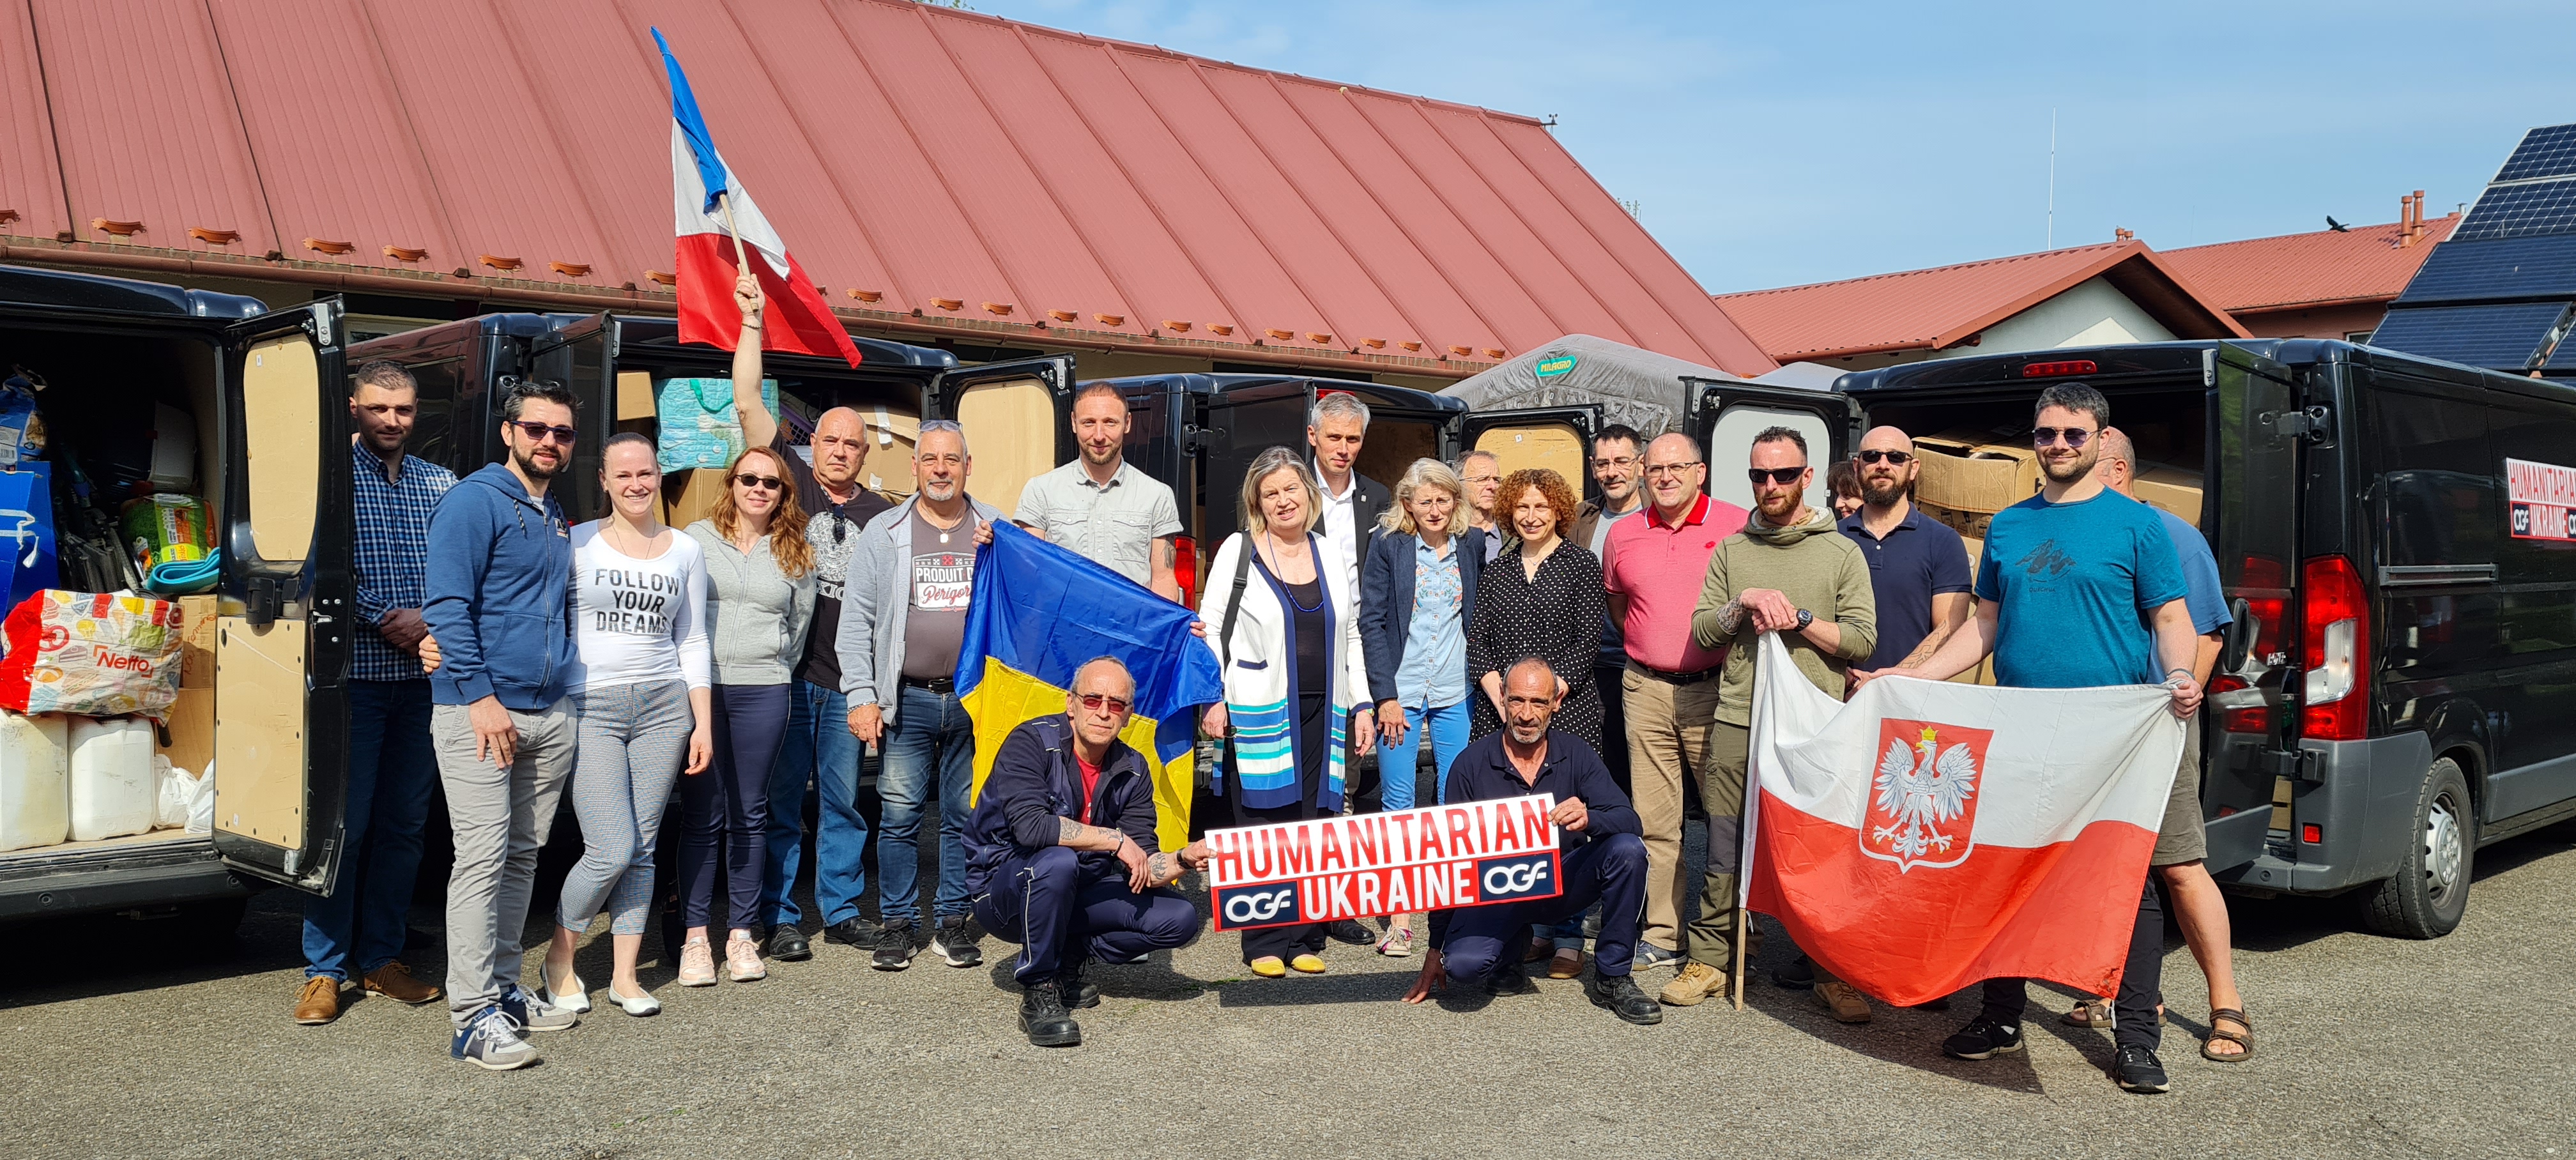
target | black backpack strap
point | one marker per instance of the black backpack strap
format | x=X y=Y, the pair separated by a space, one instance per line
x=1234 y=603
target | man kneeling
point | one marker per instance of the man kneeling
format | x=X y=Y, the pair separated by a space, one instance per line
x=1062 y=858
x=1601 y=851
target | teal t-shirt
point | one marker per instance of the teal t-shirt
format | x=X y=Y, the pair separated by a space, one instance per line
x=2072 y=583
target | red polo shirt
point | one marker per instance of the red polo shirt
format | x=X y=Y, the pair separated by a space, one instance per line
x=1660 y=569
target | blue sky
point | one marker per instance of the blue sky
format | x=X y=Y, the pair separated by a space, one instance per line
x=1770 y=145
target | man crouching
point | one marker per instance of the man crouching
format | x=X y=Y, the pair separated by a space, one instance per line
x=1601 y=853
x=1062 y=858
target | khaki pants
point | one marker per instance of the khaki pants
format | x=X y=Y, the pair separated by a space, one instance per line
x=1721 y=792
x=1668 y=728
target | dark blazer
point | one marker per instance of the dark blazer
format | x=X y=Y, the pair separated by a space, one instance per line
x=1386 y=603
x=1035 y=782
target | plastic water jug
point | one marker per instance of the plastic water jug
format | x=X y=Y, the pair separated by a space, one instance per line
x=113 y=790
x=35 y=808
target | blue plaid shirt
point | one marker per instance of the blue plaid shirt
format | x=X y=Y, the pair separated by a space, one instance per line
x=393 y=554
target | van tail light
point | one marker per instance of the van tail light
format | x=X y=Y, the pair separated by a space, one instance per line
x=2265 y=585
x=1185 y=568
x=2336 y=640
x=2239 y=720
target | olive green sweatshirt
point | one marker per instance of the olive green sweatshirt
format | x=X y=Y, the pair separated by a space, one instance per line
x=1819 y=569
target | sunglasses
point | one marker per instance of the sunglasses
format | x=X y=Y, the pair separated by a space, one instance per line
x=1899 y=458
x=1778 y=475
x=1095 y=701
x=2075 y=436
x=763 y=482
x=538 y=432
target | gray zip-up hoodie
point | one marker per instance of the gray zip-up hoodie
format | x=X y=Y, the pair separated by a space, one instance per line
x=877 y=601
x=756 y=614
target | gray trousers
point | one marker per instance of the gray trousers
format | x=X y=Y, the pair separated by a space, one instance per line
x=634 y=740
x=501 y=816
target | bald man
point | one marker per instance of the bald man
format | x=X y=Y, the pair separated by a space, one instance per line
x=1918 y=567
x=819 y=744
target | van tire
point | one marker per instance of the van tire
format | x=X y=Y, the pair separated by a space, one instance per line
x=2430 y=893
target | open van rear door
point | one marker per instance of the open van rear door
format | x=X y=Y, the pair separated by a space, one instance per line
x=2257 y=430
x=1241 y=424
x=1016 y=416
x=1725 y=414
x=283 y=612
x=1557 y=438
x=582 y=355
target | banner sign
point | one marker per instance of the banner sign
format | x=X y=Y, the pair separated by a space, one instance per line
x=2543 y=498
x=1364 y=866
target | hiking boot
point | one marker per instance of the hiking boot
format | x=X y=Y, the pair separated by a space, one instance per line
x=894 y=946
x=1697 y=981
x=787 y=944
x=492 y=1042
x=853 y=931
x=319 y=1002
x=1983 y=1038
x=1044 y=1019
x=2138 y=1070
x=393 y=981
x=1843 y=1000
x=1620 y=995
x=956 y=943
x=1076 y=992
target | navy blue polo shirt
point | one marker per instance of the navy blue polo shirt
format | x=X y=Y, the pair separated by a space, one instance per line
x=1920 y=558
x=1484 y=772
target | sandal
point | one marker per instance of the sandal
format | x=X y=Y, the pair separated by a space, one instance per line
x=2243 y=1039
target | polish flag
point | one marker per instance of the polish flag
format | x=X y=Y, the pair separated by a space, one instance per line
x=1928 y=835
x=795 y=318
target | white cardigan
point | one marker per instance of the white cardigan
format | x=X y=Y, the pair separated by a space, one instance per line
x=1256 y=672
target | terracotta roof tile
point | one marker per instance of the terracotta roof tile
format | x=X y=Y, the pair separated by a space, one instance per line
x=2363 y=264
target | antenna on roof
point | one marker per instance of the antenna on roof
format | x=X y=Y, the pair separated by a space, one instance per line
x=1549 y=123
x=2051 y=242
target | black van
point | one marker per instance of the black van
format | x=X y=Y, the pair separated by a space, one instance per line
x=266 y=393
x=2397 y=535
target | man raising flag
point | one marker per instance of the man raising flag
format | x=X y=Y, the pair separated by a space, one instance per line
x=720 y=230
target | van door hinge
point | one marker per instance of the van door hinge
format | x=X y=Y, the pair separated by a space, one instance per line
x=1196 y=439
x=2310 y=424
x=263 y=600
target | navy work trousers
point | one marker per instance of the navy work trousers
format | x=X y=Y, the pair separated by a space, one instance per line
x=1059 y=914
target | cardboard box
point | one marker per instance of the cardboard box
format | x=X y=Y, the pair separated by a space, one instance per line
x=197 y=643
x=634 y=395
x=191 y=728
x=892 y=434
x=1969 y=525
x=1976 y=548
x=1967 y=471
x=687 y=496
x=2171 y=489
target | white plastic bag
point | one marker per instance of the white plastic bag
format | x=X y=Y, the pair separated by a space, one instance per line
x=178 y=789
x=201 y=803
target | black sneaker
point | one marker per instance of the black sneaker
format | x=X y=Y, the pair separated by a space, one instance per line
x=1983 y=1038
x=1621 y=996
x=957 y=943
x=787 y=944
x=2138 y=1070
x=853 y=931
x=894 y=946
x=1076 y=991
x=1044 y=1019
x=1350 y=931
x=1799 y=975
x=1508 y=979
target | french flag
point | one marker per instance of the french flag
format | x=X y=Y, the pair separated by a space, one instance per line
x=1927 y=835
x=795 y=318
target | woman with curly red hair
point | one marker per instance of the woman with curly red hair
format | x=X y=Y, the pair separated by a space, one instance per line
x=1544 y=600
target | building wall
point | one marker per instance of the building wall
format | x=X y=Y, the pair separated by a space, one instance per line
x=2090 y=313
x=2324 y=322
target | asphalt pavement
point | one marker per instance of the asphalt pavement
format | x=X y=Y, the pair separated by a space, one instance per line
x=123 y=1042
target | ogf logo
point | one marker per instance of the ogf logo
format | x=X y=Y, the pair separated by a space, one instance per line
x=1528 y=877
x=1252 y=906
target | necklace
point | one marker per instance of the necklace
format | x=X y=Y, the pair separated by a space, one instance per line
x=933 y=521
x=1276 y=549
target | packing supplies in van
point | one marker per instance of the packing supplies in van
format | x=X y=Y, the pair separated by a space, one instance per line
x=27 y=550
x=187 y=729
x=892 y=433
x=166 y=528
x=101 y=655
x=1975 y=471
x=113 y=790
x=174 y=448
x=35 y=801
x=197 y=644
x=22 y=427
x=2169 y=488
x=699 y=428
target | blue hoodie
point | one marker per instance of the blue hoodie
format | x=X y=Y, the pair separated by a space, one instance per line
x=500 y=589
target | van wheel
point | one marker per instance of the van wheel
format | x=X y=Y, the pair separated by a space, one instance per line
x=2431 y=890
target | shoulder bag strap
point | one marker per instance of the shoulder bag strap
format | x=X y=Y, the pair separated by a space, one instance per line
x=1234 y=603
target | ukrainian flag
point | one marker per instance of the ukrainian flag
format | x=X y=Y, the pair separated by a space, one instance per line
x=1037 y=614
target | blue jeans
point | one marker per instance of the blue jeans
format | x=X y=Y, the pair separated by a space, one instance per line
x=1395 y=762
x=392 y=768
x=818 y=745
x=931 y=736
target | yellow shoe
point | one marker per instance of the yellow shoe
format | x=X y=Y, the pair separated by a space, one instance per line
x=1308 y=964
x=1269 y=967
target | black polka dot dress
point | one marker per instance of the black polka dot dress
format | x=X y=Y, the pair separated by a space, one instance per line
x=1556 y=618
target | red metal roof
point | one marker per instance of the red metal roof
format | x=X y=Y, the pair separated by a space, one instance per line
x=907 y=152
x=1944 y=306
x=2327 y=268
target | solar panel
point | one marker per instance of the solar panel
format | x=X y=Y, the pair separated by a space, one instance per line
x=2521 y=210
x=2549 y=151
x=2501 y=337
x=2458 y=271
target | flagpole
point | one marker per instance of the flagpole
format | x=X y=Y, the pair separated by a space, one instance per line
x=741 y=263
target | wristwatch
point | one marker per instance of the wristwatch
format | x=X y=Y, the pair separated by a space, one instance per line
x=1805 y=618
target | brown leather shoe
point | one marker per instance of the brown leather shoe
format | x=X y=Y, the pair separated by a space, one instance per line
x=393 y=981
x=320 y=1002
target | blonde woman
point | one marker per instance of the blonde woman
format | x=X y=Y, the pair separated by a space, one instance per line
x=1293 y=675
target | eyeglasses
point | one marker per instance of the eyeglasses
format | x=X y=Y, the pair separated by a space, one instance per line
x=2075 y=436
x=538 y=432
x=1899 y=458
x=764 y=482
x=1096 y=701
x=1670 y=468
x=1778 y=475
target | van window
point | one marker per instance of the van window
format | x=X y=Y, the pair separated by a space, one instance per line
x=1557 y=447
x=1010 y=429
x=284 y=436
x=1730 y=451
x=2440 y=480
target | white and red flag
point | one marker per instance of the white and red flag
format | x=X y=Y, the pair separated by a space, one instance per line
x=1927 y=835
x=706 y=194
